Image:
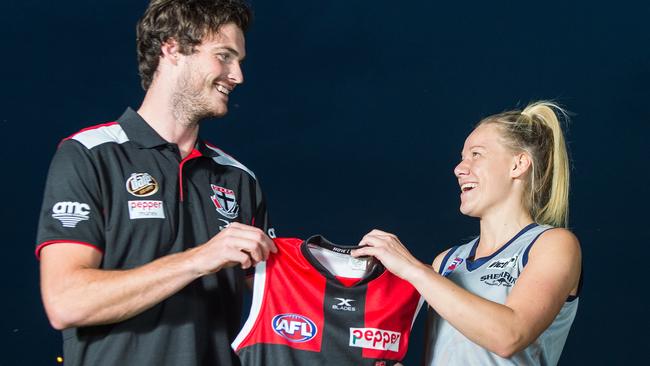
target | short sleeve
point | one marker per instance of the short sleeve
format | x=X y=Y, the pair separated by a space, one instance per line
x=71 y=210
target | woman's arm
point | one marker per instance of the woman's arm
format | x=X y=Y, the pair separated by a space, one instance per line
x=550 y=276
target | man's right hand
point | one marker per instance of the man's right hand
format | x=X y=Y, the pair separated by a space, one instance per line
x=237 y=244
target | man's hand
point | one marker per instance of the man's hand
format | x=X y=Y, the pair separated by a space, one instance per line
x=238 y=244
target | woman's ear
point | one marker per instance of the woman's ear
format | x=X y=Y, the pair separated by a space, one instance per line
x=520 y=164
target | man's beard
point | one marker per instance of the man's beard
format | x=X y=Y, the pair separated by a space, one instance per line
x=189 y=105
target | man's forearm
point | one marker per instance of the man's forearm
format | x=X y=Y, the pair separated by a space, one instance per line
x=89 y=296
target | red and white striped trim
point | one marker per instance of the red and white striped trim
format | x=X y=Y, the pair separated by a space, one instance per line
x=417 y=310
x=256 y=305
x=100 y=134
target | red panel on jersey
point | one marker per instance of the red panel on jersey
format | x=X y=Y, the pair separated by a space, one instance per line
x=400 y=294
x=296 y=294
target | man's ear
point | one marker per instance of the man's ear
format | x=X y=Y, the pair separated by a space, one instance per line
x=521 y=163
x=170 y=50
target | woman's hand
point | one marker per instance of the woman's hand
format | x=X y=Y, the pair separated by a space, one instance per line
x=387 y=248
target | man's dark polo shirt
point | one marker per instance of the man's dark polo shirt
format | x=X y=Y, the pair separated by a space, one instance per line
x=122 y=189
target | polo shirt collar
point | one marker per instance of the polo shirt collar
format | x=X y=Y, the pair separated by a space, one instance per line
x=139 y=132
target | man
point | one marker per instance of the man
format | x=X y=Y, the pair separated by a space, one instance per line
x=145 y=228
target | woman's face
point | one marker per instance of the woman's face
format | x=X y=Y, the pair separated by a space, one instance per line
x=484 y=172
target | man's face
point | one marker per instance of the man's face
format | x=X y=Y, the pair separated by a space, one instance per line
x=210 y=74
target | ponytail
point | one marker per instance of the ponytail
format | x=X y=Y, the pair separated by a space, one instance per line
x=537 y=130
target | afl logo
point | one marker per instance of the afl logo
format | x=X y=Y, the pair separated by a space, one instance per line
x=294 y=327
x=141 y=185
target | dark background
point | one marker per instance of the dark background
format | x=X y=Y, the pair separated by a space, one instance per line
x=353 y=115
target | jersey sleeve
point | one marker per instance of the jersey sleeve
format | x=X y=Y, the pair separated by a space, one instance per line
x=71 y=210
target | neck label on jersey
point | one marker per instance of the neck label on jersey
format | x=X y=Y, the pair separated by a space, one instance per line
x=373 y=338
x=360 y=264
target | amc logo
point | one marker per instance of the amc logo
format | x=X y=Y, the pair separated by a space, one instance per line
x=294 y=327
x=70 y=213
x=71 y=208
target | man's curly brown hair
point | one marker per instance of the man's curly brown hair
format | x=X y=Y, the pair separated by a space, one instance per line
x=185 y=21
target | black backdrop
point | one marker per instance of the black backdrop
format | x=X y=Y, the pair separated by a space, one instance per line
x=353 y=115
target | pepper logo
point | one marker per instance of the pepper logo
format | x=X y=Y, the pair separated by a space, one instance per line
x=294 y=327
x=373 y=338
x=141 y=185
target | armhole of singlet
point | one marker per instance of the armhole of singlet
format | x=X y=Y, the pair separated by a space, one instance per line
x=443 y=264
x=259 y=292
x=524 y=261
x=573 y=297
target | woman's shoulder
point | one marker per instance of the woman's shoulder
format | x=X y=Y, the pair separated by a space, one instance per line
x=555 y=242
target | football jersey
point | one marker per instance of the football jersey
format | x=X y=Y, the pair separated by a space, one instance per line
x=315 y=304
x=493 y=278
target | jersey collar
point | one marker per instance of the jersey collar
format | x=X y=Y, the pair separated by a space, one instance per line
x=318 y=240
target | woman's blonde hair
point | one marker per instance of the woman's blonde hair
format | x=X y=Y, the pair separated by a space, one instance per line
x=537 y=131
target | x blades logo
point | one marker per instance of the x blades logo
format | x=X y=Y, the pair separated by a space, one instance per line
x=344 y=304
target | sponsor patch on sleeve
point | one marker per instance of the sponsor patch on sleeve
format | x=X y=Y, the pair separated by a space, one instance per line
x=146 y=210
x=71 y=213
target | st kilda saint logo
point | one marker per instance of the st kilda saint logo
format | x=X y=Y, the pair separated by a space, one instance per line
x=141 y=185
x=225 y=201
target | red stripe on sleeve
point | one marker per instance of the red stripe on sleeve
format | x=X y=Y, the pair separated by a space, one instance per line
x=37 y=252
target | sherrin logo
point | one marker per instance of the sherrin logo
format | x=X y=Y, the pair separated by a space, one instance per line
x=499 y=279
x=141 y=185
x=294 y=327
x=373 y=338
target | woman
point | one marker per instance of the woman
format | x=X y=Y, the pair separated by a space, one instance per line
x=509 y=296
